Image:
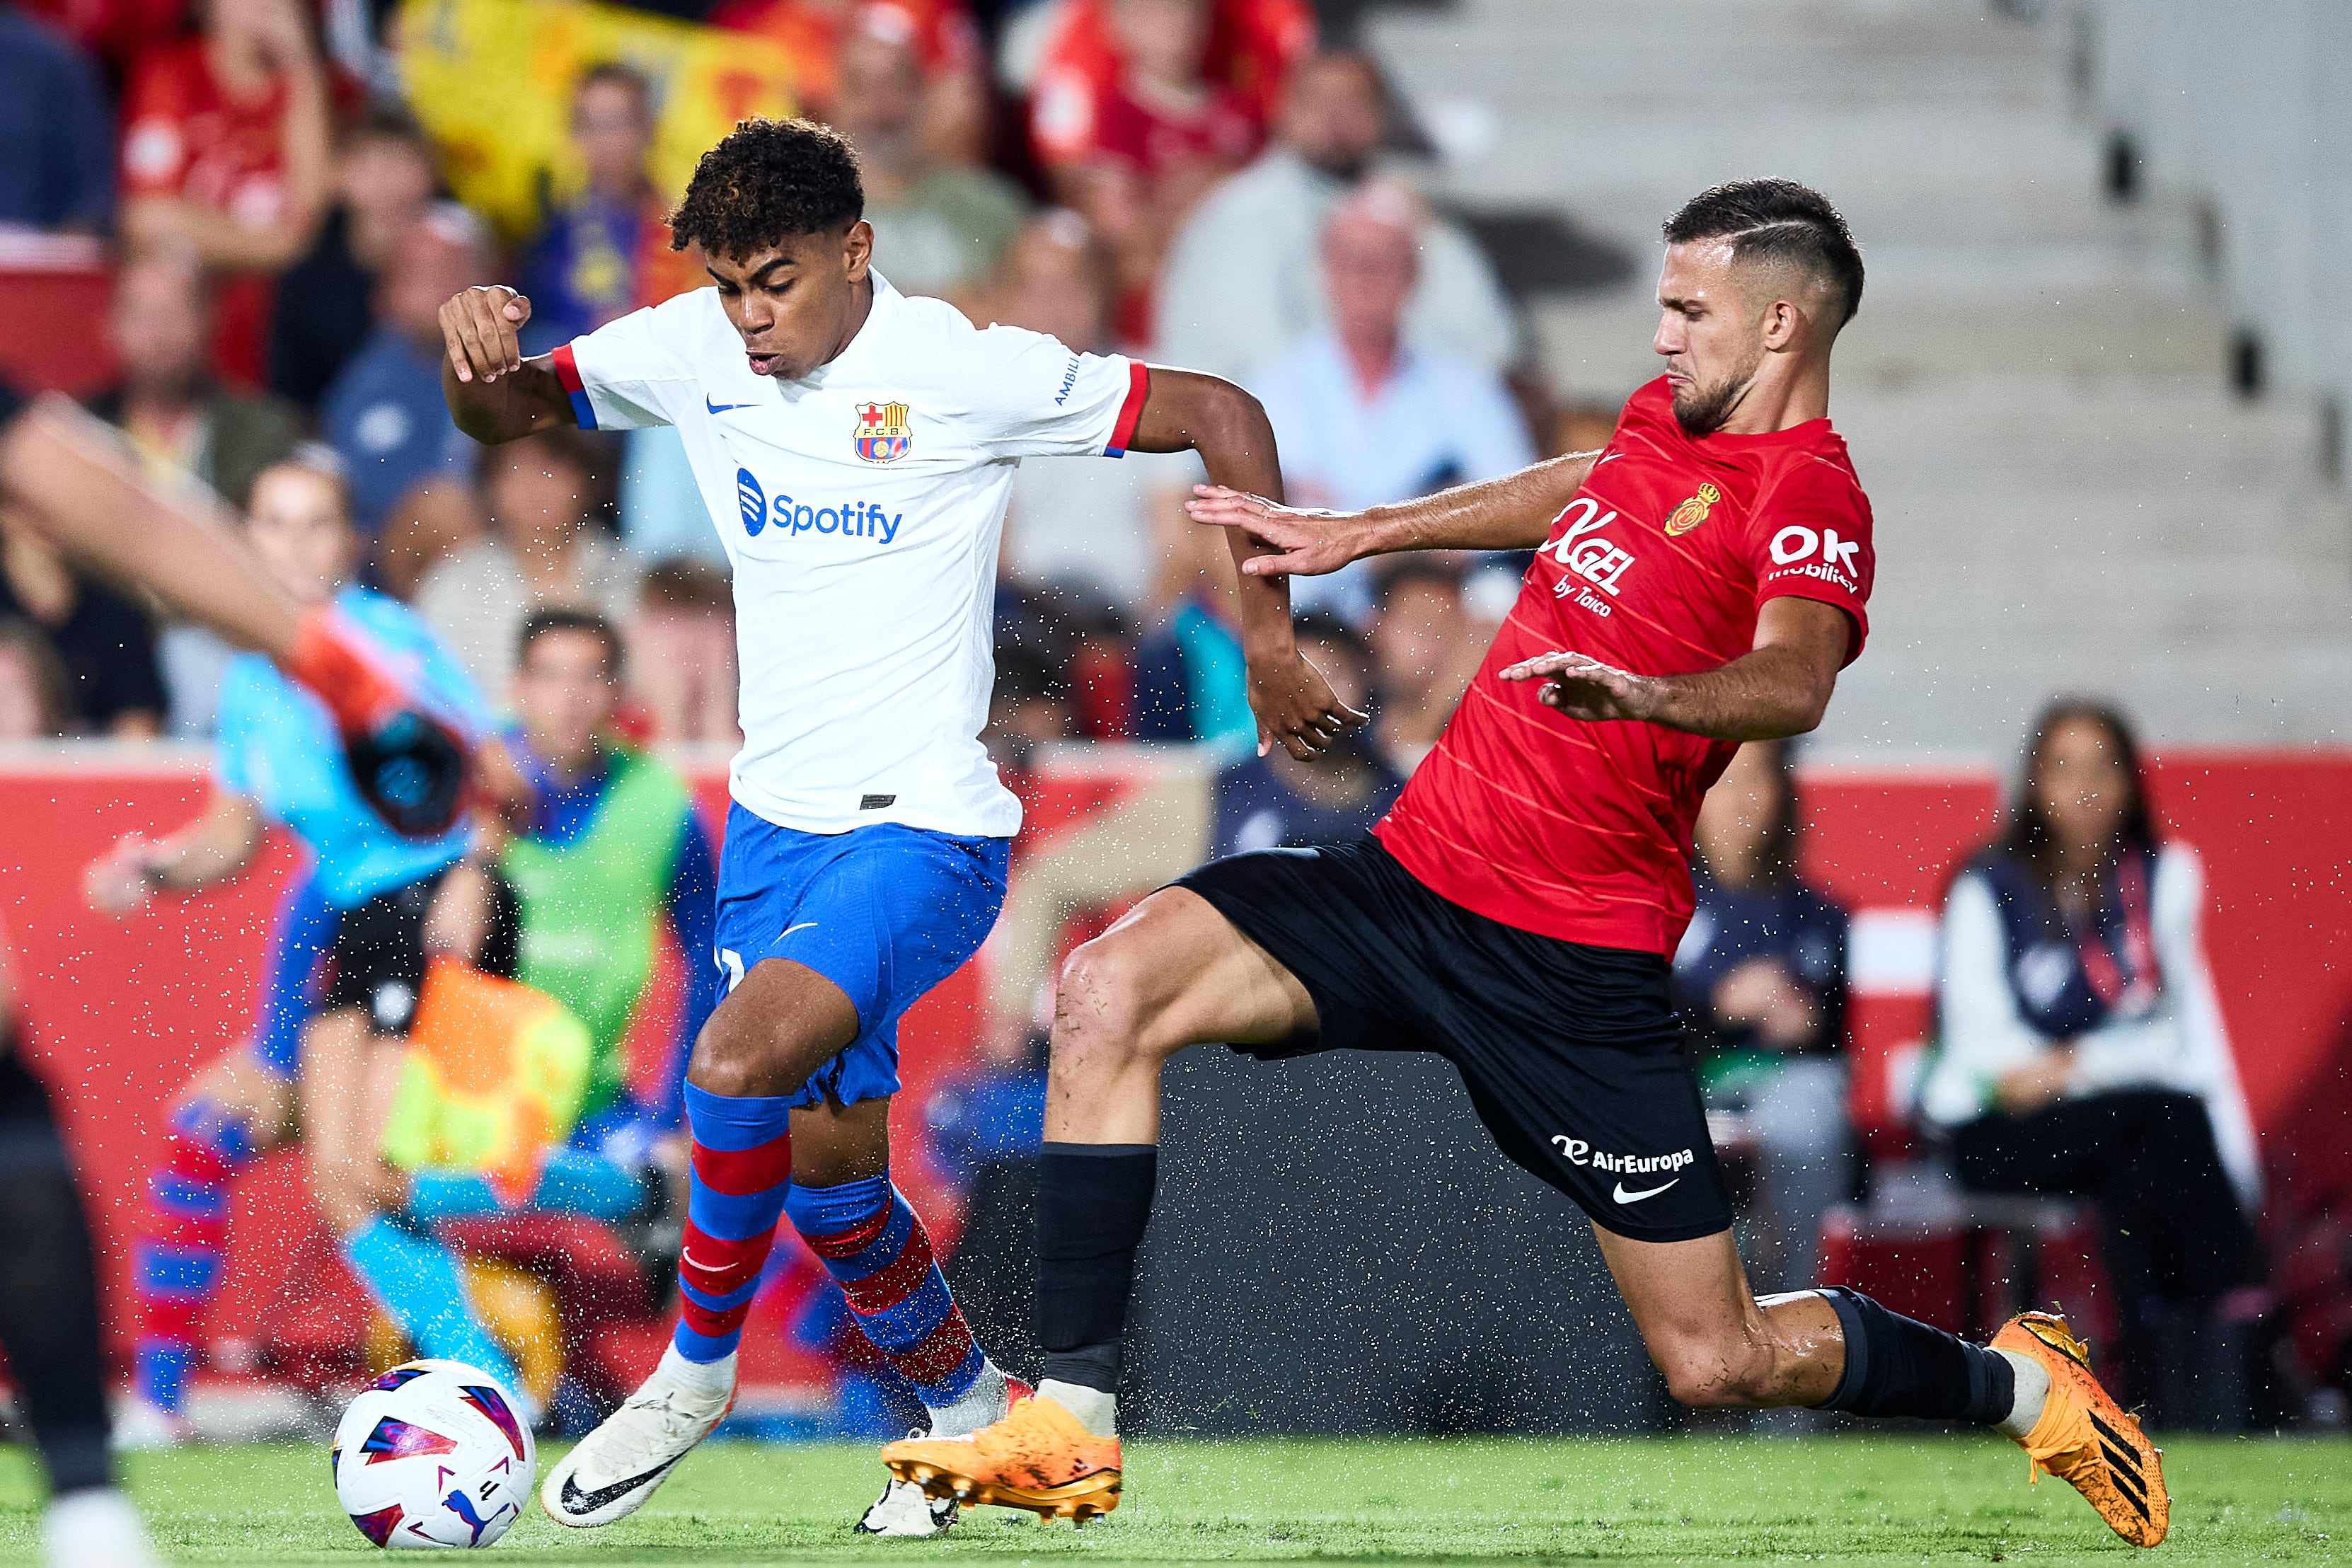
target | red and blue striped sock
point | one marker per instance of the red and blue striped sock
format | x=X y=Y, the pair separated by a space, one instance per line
x=743 y=1165
x=873 y=1246
x=176 y=1260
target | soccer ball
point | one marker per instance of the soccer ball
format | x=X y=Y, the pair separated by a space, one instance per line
x=434 y=1454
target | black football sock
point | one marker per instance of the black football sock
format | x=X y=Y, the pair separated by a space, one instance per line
x=48 y=1297
x=1896 y=1366
x=1092 y=1202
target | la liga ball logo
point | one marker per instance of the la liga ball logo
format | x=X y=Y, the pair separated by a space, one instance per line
x=883 y=436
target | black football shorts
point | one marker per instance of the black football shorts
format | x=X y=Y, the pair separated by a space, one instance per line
x=1572 y=1054
x=377 y=959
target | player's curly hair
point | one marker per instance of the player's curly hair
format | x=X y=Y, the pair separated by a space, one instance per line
x=1777 y=220
x=768 y=181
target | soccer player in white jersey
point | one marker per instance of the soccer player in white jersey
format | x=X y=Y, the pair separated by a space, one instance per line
x=854 y=448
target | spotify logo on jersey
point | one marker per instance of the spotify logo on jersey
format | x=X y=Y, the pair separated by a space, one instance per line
x=753 y=499
x=844 y=519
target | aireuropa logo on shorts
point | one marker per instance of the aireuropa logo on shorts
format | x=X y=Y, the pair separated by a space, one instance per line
x=1577 y=1152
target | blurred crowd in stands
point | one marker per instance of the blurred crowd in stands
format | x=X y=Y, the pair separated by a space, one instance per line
x=1198 y=181
x=1202 y=182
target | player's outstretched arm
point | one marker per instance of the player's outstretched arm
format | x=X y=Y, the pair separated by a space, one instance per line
x=1514 y=512
x=493 y=393
x=83 y=489
x=1778 y=688
x=1186 y=411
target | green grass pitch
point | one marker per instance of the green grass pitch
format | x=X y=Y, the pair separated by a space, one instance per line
x=1893 y=1500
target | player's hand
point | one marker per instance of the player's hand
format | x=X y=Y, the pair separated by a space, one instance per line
x=1582 y=687
x=1307 y=543
x=116 y=882
x=479 y=329
x=1296 y=707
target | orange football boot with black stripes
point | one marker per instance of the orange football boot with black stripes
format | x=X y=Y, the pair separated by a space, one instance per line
x=1038 y=1458
x=2085 y=1437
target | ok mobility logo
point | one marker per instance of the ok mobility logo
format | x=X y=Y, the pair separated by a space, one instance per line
x=853 y=519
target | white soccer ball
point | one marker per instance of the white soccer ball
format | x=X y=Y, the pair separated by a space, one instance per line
x=434 y=1454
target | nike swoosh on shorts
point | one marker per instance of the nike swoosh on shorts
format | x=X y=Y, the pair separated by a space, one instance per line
x=1623 y=1197
x=574 y=1501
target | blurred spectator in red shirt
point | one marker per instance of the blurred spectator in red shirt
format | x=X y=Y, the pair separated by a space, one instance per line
x=604 y=251
x=176 y=412
x=224 y=151
x=955 y=107
x=937 y=226
x=384 y=179
x=56 y=141
x=1136 y=123
x=1248 y=51
x=1156 y=107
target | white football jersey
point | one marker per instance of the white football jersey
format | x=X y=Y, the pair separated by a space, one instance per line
x=862 y=508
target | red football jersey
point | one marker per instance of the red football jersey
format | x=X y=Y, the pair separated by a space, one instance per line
x=1582 y=831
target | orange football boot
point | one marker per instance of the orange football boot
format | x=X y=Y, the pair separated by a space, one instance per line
x=2085 y=1437
x=1038 y=1458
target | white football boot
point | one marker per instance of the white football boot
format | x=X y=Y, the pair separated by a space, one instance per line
x=618 y=1465
x=904 y=1510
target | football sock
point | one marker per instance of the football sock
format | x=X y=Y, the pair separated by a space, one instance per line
x=1896 y=1366
x=706 y=1379
x=1093 y=1202
x=414 y=1278
x=2033 y=1392
x=878 y=1252
x=176 y=1260
x=48 y=1297
x=1096 y=1411
x=743 y=1167
x=571 y=1181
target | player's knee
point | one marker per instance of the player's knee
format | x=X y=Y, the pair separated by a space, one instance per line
x=1709 y=1373
x=730 y=1059
x=1099 y=1013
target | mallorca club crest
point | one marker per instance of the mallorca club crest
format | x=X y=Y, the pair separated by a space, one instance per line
x=883 y=436
x=1692 y=512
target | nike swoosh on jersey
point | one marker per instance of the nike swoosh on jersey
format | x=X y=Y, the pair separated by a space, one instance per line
x=576 y=1501
x=803 y=926
x=1623 y=1197
x=721 y=407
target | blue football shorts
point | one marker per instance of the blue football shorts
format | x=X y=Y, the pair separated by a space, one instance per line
x=885 y=912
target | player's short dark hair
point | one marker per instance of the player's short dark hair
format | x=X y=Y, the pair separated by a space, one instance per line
x=542 y=623
x=768 y=181
x=1777 y=220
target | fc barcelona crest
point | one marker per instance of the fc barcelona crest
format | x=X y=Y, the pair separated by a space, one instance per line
x=883 y=436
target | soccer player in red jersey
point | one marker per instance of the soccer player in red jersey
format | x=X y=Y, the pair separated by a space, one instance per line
x=1699 y=582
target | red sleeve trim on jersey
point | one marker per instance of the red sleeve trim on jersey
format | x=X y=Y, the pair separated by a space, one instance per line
x=1130 y=413
x=567 y=372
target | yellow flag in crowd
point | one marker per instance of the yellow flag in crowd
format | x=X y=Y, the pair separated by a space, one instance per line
x=491 y=80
